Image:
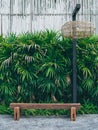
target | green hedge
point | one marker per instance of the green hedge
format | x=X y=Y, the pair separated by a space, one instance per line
x=37 y=67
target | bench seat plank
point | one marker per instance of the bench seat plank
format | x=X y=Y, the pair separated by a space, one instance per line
x=45 y=105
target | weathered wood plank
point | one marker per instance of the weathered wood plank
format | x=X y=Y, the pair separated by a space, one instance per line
x=45 y=105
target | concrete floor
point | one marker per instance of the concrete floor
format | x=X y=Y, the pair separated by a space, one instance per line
x=83 y=122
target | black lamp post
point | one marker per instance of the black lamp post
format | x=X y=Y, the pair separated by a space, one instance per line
x=74 y=77
x=76 y=29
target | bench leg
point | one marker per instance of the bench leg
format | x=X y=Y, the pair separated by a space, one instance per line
x=73 y=114
x=16 y=113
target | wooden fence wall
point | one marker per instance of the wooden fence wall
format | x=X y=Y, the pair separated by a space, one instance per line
x=19 y=16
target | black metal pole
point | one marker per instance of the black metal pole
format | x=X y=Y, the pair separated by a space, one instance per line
x=74 y=82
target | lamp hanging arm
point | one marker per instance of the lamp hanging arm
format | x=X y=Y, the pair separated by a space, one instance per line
x=75 y=11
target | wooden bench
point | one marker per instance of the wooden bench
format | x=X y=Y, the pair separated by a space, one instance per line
x=56 y=106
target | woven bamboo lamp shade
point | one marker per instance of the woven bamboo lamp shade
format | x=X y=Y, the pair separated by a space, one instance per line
x=77 y=29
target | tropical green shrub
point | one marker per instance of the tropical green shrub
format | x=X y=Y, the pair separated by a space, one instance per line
x=37 y=67
x=88 y=108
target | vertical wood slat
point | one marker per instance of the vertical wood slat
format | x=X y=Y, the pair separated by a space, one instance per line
x=31 y=14
x=1 y=26
x=10 y=16
x=94 y=5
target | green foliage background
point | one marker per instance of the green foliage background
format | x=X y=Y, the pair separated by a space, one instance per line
x=37 y=67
